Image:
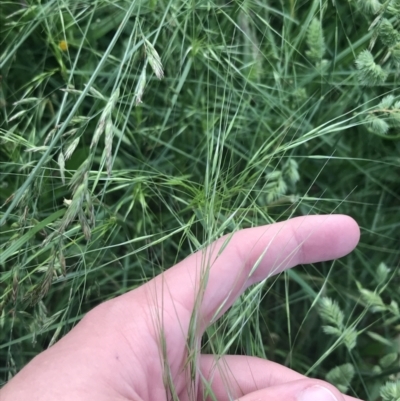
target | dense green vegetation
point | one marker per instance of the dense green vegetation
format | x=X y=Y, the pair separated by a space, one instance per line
x=135 y=132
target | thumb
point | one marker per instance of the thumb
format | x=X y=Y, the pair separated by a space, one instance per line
x=298 y=390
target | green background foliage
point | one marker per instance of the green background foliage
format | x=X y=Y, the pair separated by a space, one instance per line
x=136 y=132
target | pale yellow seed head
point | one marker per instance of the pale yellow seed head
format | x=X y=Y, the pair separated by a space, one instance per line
x=63 y=45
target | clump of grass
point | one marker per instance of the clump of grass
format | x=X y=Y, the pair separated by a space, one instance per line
x=135 y=133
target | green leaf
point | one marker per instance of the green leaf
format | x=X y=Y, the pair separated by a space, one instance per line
x=388 y=359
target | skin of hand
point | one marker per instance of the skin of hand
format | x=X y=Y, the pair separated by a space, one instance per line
x=114 y=353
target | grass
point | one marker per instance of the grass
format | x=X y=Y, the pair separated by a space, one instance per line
x=134 y=133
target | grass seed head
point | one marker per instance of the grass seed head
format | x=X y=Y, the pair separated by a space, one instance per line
x=71 y=148
x=154 y=60
x=140 y=87
x=369 y=73
x=109 y=131
x=61 y=164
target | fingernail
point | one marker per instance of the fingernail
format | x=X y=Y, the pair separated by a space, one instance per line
x=316 y=393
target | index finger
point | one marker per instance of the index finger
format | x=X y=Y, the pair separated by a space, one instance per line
x=221 y=272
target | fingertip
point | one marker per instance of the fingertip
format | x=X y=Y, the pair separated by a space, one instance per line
x=298 y=390
x=348 y=233
x=327 y=237
x=316 y=391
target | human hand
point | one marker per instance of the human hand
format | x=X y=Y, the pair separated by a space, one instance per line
x=135 y=346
